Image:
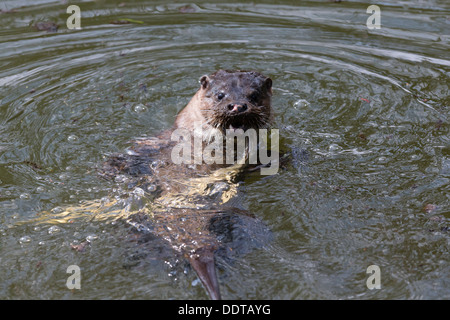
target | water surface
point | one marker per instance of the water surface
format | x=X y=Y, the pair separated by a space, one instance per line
x=368 y=107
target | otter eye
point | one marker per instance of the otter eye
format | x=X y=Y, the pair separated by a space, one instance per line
x=220 y=95
x=254 y=97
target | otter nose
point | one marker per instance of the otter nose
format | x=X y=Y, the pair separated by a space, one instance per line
x=237 y=108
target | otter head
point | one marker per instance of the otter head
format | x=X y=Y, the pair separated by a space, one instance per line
x=236 y=100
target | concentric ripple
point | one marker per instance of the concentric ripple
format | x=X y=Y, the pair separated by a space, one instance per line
x=364 y=112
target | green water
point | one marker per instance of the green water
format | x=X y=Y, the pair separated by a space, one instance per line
x=370 y=107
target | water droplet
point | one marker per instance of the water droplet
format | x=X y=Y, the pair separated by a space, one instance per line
x=25 y=239
x=139 y=192
x=140 y=108
x=151 y=188
x=334 y=147
x=40 y=189
x=155 y=164
x=72 y=138
x=91 y=237
x=24 y=195
x=53 y=229
x=121 y=179
x=131 y=152
x=301 y=103
x=63 y=176
x=56 y=210
x=104 y=200
x=196 y=282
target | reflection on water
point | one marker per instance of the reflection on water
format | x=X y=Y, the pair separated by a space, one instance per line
x=366 y=111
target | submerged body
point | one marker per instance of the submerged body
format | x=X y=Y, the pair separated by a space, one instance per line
x=192 y=197
x=194 y=208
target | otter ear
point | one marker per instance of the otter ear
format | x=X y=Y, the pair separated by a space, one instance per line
x=204 y=81
x=268 y=85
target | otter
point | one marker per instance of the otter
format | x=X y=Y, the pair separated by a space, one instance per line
x=230 y=100
x=194 y=200
x=227 y=100
x=193 y=209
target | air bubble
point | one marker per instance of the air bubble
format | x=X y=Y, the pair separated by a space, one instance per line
x=72 y=138
x=24 y=195
x=63 y=176
x=301 y=103
x=139 y=192
x=334 y=147
x=155 y=164
x=121 y=179
x=56 y=210
x=140 y=108
x=25 y=239
x=53 y=229
x=91 y=237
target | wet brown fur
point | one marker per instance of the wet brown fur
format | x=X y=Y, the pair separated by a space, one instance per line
x=226 y=99
x=248 y=88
